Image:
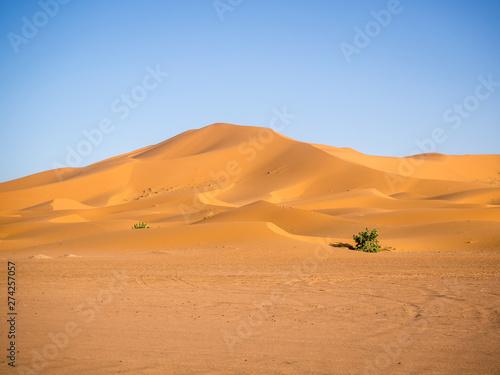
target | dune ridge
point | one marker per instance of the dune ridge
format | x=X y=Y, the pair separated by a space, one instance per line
x=227 y=176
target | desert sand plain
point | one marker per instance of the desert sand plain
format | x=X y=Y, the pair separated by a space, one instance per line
x=236 y=274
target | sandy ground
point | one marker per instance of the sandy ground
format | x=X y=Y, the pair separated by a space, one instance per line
x=263 y=309
x=236 y=275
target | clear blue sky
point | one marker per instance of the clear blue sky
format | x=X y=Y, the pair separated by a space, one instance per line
x=409 y=75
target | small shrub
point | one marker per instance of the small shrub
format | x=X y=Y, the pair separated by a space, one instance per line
x=208 y=215
x=367 y=241
x=388 y=248
x=140 y=225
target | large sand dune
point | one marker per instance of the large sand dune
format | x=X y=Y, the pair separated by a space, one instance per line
x=222 y=171
x=238 y=213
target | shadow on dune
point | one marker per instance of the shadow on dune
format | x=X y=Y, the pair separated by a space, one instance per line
x=342 y=244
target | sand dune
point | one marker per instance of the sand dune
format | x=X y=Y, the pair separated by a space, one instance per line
x=230 y=174
x=235 y=273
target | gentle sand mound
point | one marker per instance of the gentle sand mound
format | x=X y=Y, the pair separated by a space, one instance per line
x=68 y=219
x=68 y=204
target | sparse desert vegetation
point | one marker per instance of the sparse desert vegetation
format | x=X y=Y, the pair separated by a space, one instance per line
x=140 y=225
x=367 y=241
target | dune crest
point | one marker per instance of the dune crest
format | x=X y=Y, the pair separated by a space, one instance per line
x=228 y=176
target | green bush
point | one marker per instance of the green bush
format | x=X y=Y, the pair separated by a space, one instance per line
x=140 y=225
x=367 y=241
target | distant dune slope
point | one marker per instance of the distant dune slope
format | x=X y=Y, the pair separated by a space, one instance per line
x=229 y=175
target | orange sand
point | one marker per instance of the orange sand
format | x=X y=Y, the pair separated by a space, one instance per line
x=235 y=274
